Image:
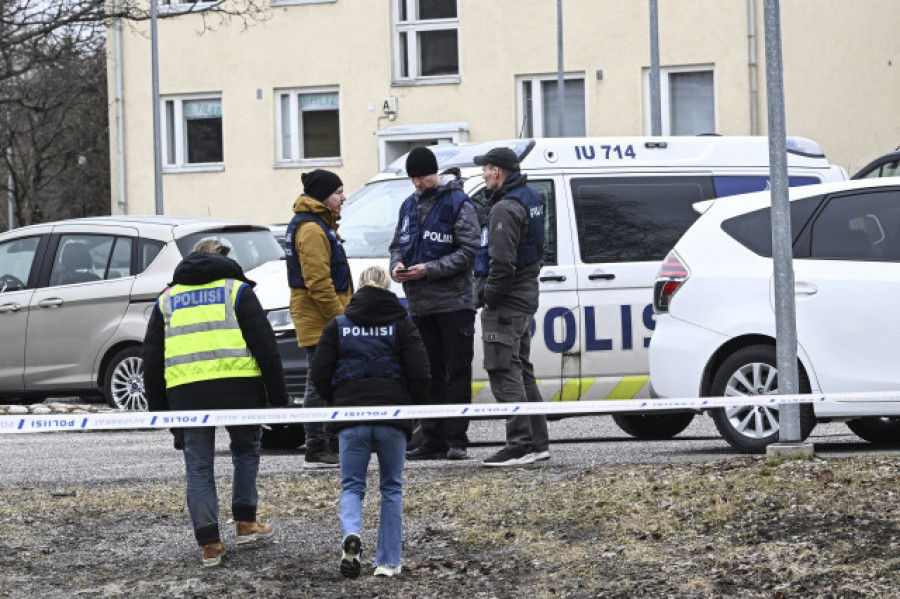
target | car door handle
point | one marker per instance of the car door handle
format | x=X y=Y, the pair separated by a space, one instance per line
x=53 y=302
x=603 y=275
x=805 y=289
x=559 y=278
x=10 y=308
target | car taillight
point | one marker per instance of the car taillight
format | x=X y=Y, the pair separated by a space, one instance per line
x=672 y=275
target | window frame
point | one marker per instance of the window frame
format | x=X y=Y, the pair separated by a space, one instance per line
x=412 y=27
x=537 y=101
x=293 y=94
x=180 y=165
x=665 y=100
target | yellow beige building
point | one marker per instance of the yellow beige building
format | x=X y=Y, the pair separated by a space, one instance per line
x=350 y=85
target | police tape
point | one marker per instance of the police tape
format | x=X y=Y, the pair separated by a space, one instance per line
x=888 y=405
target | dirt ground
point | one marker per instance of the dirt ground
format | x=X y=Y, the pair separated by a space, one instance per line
x=732 y=528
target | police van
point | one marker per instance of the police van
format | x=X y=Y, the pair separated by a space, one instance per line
x=614 y=208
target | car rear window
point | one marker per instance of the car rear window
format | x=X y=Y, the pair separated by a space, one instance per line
x=753 y=230
x=249 y=247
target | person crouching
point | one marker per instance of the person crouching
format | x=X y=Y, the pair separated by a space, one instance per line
x=372 y=355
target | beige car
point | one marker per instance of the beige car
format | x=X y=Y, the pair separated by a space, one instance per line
x=76 y=295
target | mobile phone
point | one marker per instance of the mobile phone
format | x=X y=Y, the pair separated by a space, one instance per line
x=402 y=270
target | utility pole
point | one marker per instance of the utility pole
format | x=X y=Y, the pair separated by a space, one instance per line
x=560 y=79
x=157 y=148
x=655 y=98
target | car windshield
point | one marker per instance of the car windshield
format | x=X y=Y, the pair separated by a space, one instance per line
x=250 y=247
x=369 y=217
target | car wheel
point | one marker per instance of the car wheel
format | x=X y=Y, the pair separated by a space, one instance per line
x=123 y=386
x=878 y=431
x=751 y=371
x=653 y=427
x=283 y=436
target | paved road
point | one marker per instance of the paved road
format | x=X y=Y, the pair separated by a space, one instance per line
x=70 y=458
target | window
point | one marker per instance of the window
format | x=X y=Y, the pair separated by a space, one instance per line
x=688 y=100
x=148 y=250
x=629 y=219
x=192 y=135
x=426 y=41
x=185 y=5
x=753 y=230
x=539 y=106
x=864 y=226
x=308 y=125
x=86 y=258
x=16 y=260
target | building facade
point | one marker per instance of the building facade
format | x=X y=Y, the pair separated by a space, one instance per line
x=350 y=85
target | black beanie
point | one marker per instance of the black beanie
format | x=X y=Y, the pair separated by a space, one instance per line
x=421 y=162
x=320 y=184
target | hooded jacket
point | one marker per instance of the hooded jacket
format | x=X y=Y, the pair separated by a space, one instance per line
x=371 y=307
x=232 y=393
x=447 y=286
x=312 y=308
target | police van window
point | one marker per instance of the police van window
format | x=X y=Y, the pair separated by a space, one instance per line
x=543 y=188
x=753 y=230
x=635 y=219
x=863 y=226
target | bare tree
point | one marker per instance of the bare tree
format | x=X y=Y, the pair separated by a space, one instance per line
x=53 y=97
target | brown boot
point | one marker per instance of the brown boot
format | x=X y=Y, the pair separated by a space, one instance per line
x=212 y=554
x=251 y=532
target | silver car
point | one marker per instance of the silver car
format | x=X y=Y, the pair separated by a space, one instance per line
x=76 y=295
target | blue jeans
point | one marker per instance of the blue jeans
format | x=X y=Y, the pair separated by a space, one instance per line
x=202 y=499
x=357 y=444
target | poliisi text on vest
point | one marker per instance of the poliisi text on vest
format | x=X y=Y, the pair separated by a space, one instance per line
x=198 y=297
x=383 y=331
x=438 y=237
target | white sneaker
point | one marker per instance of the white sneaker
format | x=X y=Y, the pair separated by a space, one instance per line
x=540 y=456
x=388 y=571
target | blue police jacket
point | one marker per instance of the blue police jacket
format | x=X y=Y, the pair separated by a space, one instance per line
x=340 y=269
x=531 y=249
x=433 y=238
x=366 y=352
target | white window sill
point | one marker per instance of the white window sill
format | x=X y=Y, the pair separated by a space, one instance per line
x=442 y=80
x=193 y=168
x=310 y=162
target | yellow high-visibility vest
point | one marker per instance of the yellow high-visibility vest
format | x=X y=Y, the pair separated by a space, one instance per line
x=203 y=337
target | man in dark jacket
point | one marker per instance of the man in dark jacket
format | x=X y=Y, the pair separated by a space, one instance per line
x=209 y=346
x=372 y=356
x=506 y=285
x=432 y=255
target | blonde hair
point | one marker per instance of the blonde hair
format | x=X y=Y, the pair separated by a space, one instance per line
x=211 y=246
x=375 y=276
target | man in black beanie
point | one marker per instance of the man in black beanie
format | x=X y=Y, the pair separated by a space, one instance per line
x=319 y=277
x=432 y=255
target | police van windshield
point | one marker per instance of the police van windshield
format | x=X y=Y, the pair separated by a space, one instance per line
x=369 y=217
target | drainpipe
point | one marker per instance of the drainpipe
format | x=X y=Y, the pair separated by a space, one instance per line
x=120 y=119
x=752 y=67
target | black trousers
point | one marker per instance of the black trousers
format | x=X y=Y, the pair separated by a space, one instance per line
x=449 y=341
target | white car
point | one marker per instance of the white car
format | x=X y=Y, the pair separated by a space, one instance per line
x=715 y=317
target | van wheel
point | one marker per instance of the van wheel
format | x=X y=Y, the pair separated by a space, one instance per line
x=283 y=436
x=878 y=431
x=123 y=385
x=751 y=371
x=653 y=427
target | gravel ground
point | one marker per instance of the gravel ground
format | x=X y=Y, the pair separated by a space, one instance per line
x=734 y=527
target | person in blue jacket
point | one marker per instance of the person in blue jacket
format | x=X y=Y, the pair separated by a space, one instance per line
x=371 y=356
x=432 y=254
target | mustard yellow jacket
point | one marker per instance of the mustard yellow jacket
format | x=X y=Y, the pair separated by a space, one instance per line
x=314 y=307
